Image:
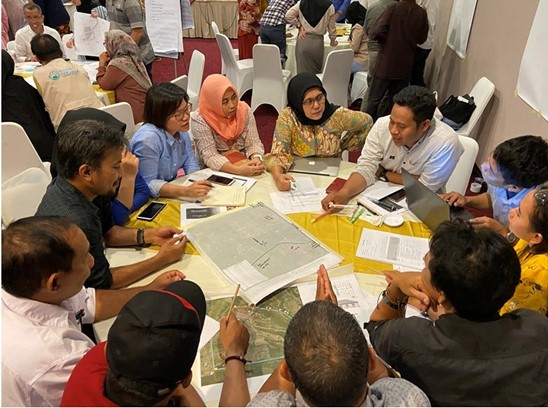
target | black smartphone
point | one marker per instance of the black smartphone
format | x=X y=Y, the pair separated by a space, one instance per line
x=214 y=178
x=151 y=211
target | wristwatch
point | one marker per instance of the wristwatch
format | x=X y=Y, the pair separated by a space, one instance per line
x=511 y=237
x=382 y=175
x=260 y=156
x=141 y=238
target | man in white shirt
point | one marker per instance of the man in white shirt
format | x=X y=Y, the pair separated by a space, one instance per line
x=45 y=261
x=409 y=138
x=35 y=20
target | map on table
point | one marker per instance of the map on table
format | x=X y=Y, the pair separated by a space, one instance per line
x=259 y=249
x=266 y=322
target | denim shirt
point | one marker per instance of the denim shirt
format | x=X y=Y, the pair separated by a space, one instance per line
x=161 y=155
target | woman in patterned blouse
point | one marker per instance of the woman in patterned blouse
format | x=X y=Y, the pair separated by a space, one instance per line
x=311 y=126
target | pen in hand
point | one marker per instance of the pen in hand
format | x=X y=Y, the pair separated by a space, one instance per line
x=207 y=184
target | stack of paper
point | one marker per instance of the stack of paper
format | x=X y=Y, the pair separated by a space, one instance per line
x=303 y=197
x=230 y=196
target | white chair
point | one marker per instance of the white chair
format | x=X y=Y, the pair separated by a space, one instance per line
x=235 y=51
x=240 y=72
x=10 y=46
x=482 y=93
x=122 y=111
x=336 y=76
x=458 y=181
x=359 y=86
x=269 y=80
x=22 y=194
x=181 y=82
x=18 y=153
x=195 y=76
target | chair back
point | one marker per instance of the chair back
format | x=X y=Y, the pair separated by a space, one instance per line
x=459 y=179
x=122 y=111
x=269 y=82
x=231 y=67
x=10 y=46
x=336 y=76
x=18 y=153
x=215 y=28
x=22 y=194
x=181 y=82
x=195 y=76
x=482 y=93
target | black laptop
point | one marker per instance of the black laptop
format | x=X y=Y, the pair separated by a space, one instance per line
x=427 y=205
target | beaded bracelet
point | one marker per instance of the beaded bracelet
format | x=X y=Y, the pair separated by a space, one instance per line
x=239 y=358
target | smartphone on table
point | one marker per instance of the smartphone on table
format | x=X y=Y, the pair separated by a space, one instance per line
x=151 y=211
x=225 y=181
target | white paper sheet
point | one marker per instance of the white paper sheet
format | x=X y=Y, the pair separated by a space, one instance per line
x=460 y=25
x=392 y=248
x=380 y=190
x=89 y=34
x=211 y=327
x=290 y=202
x=162 y=14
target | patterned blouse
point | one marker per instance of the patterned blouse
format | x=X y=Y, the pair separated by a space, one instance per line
x=291 y=137
x=532 y=290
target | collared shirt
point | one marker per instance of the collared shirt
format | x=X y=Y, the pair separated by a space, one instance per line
x=275 y=12
x=93 y=217
x=460 y=362
x=502 y=204
x=41 y=345
x=210 y=146
x=125 y=15
x=386 y=392
x=433 y=157
x=161 y=155
x=23 y=38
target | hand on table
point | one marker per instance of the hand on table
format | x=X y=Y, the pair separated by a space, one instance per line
x=283 y=182
x=234 y=336
x=334 y=43
x=199 y=188
x=173 y=249
x=165 y=279
x=324 y=290
x=335 y=198
x=251 y=169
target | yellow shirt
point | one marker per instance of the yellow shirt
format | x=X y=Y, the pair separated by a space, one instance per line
x=532 y=290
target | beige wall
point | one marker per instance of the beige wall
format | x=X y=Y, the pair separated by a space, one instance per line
x=497 y=41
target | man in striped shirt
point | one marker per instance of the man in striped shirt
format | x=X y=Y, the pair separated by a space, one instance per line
x=272 y=25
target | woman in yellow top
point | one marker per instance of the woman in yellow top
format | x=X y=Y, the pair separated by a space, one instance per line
x=528 y=223
x=311 y=126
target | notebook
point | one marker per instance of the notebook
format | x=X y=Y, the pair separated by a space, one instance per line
x=427 y=205
x=324 y=166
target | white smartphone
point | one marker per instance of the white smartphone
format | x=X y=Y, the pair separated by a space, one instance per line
x=151 y=211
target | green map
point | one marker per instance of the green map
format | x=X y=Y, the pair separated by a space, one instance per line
x=266 y=322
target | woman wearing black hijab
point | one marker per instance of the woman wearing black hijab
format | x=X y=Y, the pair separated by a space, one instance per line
x=22 y=104
x=355 y=15
x=311 y=126
x=313 y=18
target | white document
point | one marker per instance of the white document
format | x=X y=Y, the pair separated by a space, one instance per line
x=392 y=248
x=211 y=327
x=380 y=190
x=350 y=297
x=304 y=186
x=89 y=34
x=460 y=25
x=260 y=249
x=164 y=26
x=195 y=212
x=290 y=202
x=230 y=196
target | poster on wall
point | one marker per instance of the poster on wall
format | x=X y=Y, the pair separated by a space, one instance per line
x=460 y=25
x=532 y=80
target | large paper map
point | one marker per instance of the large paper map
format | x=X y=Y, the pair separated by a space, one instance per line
x=260 y=249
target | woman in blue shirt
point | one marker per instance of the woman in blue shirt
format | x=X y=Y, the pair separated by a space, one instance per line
x=163 y=145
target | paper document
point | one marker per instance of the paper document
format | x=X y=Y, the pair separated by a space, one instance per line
x=380 y=190
x=195 y=212
x=230 y=196
x=303 y=186
x=392 y=248
x=89 y=34
x=290 y=202
x=259 y=249
x=211 y=327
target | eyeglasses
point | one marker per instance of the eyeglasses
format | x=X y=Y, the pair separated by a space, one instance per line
x=320 y=99
x=180 y=114
x=541 y=196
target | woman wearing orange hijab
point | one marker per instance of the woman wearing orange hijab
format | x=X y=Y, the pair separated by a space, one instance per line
x=224 y=130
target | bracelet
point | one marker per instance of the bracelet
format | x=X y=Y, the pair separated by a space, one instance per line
x=260 y=156
x=141 y=238
x=397 y=305
x=239 y=358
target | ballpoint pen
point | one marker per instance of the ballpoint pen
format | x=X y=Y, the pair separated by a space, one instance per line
x=194 y=181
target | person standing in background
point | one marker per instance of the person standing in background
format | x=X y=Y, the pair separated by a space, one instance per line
x=355 y=15
x=373 y=47
x=55 y=15
x=272 y=25
x=128 y=16
x=313 y=18
x=423 y=50
x=248 y=27
x=14 y=9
